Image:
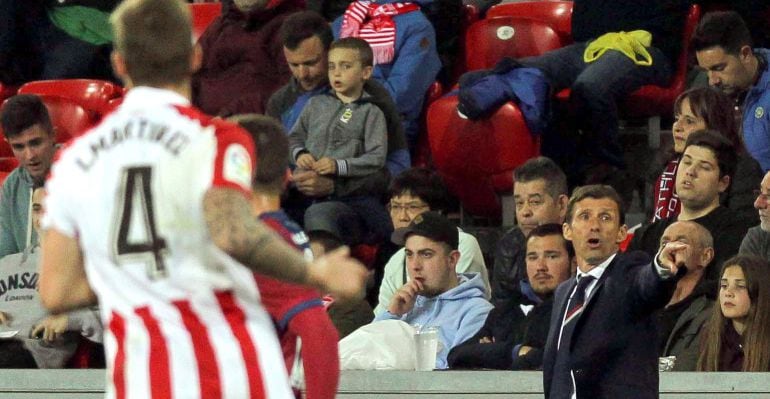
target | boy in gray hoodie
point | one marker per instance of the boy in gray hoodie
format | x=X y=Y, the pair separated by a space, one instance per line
x=342 y=134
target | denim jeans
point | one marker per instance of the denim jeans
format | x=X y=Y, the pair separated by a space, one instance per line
x=596 y=89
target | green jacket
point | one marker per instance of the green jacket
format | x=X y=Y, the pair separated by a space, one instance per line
x=16 y=233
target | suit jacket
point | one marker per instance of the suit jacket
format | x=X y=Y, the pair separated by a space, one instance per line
x=613 y=350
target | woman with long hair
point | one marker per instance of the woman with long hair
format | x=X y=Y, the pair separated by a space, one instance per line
x=738 y=334
x=698 y=109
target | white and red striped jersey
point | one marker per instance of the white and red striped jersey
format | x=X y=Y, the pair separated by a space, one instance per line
x=183 y=319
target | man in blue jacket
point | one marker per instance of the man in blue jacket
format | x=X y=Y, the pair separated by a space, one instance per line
x=722 y=44
x=436 y=295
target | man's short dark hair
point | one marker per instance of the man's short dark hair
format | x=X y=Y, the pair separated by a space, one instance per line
x=272 y=148
x=545 y=169
x=23 y=111
x=303 y=25
x=552 y=229
x=595 y=191
x=722 y=147
x=422 y=183
x=365 y=54
x=725 y=29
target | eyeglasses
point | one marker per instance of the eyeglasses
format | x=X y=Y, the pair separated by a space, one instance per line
x=411 y=209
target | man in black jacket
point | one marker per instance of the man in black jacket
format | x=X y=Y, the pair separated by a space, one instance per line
x=515 y=331
x=602 y=337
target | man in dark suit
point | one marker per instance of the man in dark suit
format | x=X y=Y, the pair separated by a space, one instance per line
x=601 y=342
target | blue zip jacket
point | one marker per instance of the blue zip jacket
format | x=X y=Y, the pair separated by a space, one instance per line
x=459 y=312
x=756 y=121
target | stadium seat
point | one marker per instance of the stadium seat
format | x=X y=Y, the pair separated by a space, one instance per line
x=470 y=17
x=93 y=95
x=422 y=156
x=489 y=40
x=7 y=164
x=6 y=91
x=476 y=158
x=202 y=15
x=558 y=14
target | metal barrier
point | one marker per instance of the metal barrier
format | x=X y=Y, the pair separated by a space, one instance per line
x=70 y=384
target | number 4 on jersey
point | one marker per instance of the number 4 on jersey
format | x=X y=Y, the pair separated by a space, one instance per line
x=137 y=239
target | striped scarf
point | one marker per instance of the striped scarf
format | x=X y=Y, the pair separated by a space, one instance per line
x=374 y=23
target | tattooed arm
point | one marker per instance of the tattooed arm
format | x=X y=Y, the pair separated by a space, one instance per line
x=238 y=233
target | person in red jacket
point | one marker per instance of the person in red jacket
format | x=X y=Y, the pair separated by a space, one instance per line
x=308 y=337
x=243 y=61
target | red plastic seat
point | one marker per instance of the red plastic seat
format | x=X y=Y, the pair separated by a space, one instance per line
x=471 y=16
x=476 y=158
x=489 y=40
x=93 y=95
x=8 y=164
x=422 y=157
x=558 y=14
x=202 y=16
x=6 y=91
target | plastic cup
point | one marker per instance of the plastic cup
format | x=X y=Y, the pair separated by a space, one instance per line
x=426 y=348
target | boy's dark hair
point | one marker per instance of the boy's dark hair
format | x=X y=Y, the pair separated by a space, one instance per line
x=725 y=29
x=422 y=183
x=595 y=191
x=552 y=229
x=303 y=25
x=272 y=148
x=545 y=169
x=365 y=54
x=722 y=147
x=22 y=112
x=327 y=240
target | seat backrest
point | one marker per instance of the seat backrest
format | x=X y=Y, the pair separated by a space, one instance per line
x=489 y=40
x=93 y=95
x=557 y=13
x=6 y=91
x=69 y=118
x=691 y=22
x=202 y=16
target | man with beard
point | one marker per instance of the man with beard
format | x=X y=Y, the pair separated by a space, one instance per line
x=515 y=331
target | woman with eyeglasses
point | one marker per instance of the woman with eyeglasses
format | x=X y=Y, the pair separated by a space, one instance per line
x=698 y=109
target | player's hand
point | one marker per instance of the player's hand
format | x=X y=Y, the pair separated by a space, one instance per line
x=305 y=161
x=339 y=274
x=5 y=319
x=673 y=255
x=486 y=340
x=403 y=300
x=51 y=328
x=311 y=184
x=325 y=166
